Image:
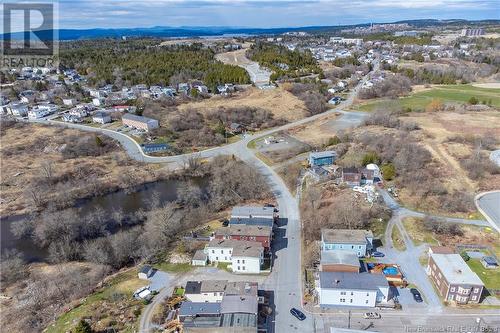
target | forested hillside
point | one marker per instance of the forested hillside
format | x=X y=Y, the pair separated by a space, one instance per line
x=141 y=61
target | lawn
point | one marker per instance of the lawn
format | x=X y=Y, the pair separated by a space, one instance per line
x=174 y=268
x=397 y=239
x=418 y=233
x=224 y=266
x=106 y=298
x=490 y=277
x=445 y=93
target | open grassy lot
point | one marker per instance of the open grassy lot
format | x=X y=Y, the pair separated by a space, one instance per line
x=446 y=93
x=112 y=305
x=397 y=239
x=174 y=268
x=490 y=277
x=418 y=233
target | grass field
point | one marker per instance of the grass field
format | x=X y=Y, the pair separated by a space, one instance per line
x=490 y=277
x=445 y=93
x=397 y=239
x=418 y=233
x=174 y=268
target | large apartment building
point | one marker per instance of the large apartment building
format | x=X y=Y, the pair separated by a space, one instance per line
x=453 y=278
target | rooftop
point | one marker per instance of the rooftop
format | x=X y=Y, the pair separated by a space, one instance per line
x=199 y=308
x=200 y=255
x=259 y=221
x=339 y=258
x=241 y=288
x=240 y=248
x=345 y=236
x=244 y=230
x=239 y=304
x=455 y=270
x=356 y=281
x=252 y=211
x=321 y=154
x=213 y=286
x=134 y=117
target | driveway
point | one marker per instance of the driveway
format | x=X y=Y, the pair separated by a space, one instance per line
x=159 y=280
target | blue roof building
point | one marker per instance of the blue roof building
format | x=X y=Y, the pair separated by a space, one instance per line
x=154 y=147
x=320 y=158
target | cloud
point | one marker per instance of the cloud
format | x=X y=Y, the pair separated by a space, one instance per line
x=261 y=13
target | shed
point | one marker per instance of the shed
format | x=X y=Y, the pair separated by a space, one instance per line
x=200 y=258
x=145 y=272
x=489 y=262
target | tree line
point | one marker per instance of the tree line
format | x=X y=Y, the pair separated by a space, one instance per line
x=136 y=62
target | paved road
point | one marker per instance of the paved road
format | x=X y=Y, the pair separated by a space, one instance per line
x=408 y=259
x=489 y=205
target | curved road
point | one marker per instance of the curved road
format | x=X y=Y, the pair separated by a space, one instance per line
x=489 y=205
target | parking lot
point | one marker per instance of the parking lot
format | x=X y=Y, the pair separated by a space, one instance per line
x=281 y=147
x=405 y=298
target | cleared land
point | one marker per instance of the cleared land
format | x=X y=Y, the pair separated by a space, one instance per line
x=281 y=103
x=446 y=93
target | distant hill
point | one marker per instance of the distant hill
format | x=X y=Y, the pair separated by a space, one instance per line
x=73 y=34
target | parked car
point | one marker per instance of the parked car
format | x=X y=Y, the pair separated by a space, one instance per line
x=377 y=254
x=372 y=315
x=297 y=314
x=416 y=295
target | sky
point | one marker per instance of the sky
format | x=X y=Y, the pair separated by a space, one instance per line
x=86 y=14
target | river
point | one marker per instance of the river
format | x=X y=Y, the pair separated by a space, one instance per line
x=126 y=201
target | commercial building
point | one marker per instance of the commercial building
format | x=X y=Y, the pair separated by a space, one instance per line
x=357 y=241
x=352 y=289
x=469 y=32
x=139 y=122
x=453 y=278
x=320 y=158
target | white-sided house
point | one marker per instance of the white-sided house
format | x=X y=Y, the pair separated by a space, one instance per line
x=208 y=291
x=98 y=101
x=359 y=241
x=247 y=257
x=101 y=118
x=352 y=289
x=69 y=101
x=41 y=111
x=17 y=109
x=200 y=258
x=244 y=256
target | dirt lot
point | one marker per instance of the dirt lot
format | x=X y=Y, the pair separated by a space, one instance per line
x=28 y=149
x=282 y=148
x=318 y=132
x=278 y=101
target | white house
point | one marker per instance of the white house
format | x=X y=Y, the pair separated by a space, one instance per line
x=200 y=258
x=208 y=291
x=17 y=109
x=244 y=256
x=358 y=241
x=101 y=118
x=98 y=101
x=69 y=101
x=247 y=258
x=352 y=289
x=145 y=272
x=41 y=111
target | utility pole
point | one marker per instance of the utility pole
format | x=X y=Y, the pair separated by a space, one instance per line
x=349 y=320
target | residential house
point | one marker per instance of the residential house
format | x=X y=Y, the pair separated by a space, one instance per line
x=69 y=118
x=357 y=176
x=489 y=262
x=140 y=122
x=69 y=101
x=454 y=279
x=41 y=110
x=200 y=258
x=27 y=96
x=320 y=158
x=352 y=289
x=17 y=109
x=98 y=101
x=101 y=118
x=339 y=261
x=208 y=291
x=199 y=315
x=236 y=128
x=358 y=241
x=254 y=233
x=253 y=215
x=145 y=272
x=80 y=112
x=244 y=256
